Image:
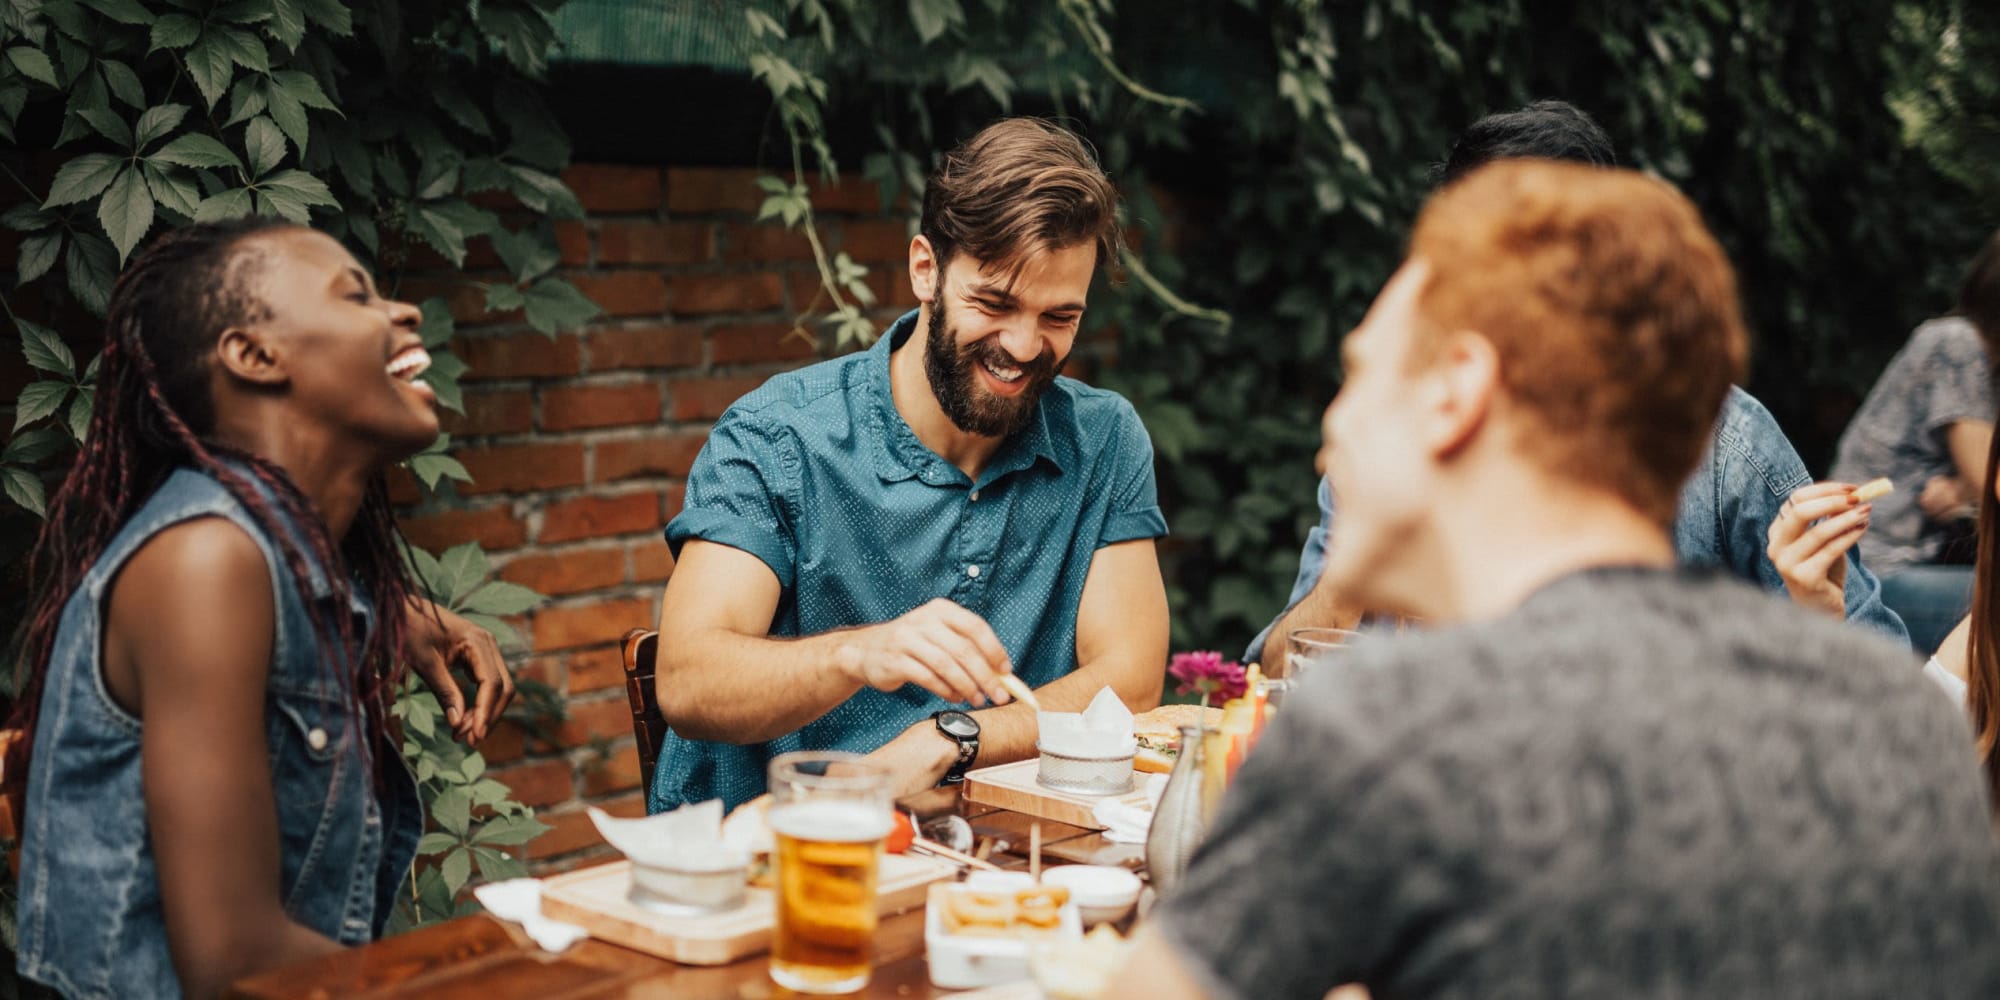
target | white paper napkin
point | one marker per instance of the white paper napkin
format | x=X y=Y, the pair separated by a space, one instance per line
x=1126 y=821
x=520 y=900
x=1104 y=729
x=688 y=839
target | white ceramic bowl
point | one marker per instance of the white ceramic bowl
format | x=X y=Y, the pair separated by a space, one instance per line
x=1102 y=893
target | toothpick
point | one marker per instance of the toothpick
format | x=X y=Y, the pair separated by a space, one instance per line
x=1035 y=851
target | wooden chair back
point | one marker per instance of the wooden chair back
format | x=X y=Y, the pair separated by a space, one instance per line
x=649 y=727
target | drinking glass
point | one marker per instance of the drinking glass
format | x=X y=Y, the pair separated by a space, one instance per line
x=830 y=812
x=1307 y=650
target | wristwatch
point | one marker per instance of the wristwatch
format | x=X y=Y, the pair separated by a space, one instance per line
x=963 y=730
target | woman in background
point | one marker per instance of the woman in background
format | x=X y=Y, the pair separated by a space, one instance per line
x=1926 y=426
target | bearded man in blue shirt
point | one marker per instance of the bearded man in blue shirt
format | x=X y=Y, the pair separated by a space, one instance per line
x=871 y=543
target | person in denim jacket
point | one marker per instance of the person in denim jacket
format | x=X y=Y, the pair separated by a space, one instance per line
x=221 y=619
x=1729 y=509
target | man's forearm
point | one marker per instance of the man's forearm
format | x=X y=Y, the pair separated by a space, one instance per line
x=732 y=688
x=1008 y=733
x=1320 y=608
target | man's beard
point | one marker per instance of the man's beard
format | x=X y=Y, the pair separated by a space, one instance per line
x=972 y=407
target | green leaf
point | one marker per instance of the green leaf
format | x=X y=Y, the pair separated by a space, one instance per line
x=38 y=254
x=209 y=63
x=83 y=178
x=38 y=401
x=437 y=229
x=303 y=89
x=27 y=216
x=528 y=254
x=108 y=124
x=509 y=830
x=174 y=31
x=233 y=204
x=453 y=811
x=91 y=265
x=30 y=447
x=157 y=122
x=265 y=143
x=545 y=193
x=423 y=564
x=45 y=351
x=289 y=114
x=443 y=379
x=435 y=841
x=123 y=82
x=245 y=50
x=502 y=598
x=933 y=17
x=456 y=869
x=451 y=98
x=438 y=326
x=555 y=306
x=126 y=212
x=245 y=12
x=504 y=298
x=173 y=191
x=422 y=720
x=79 y=413
x=33 y=64
x=464 y=567
x=431 y=469
x=331 y=15
x=196 y=150
x=25 y=488
x=287 y=24
x=299 y=185
x=122 y=11
x=474 y=766
x=246 y=100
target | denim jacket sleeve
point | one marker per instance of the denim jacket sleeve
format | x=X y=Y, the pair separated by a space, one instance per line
x=1728 y=506
x=1311 y=561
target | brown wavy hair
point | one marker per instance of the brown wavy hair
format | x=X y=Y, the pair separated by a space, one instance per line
x=1019 y=188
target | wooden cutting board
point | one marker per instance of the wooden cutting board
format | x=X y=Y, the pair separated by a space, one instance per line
x=1013 y=786
x=594 y=899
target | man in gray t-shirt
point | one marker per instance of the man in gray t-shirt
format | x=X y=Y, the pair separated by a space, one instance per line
x=1596 y=775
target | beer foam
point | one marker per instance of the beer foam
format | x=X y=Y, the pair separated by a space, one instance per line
x=833 y=821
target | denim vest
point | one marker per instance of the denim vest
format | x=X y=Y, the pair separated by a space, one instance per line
x=91 y=917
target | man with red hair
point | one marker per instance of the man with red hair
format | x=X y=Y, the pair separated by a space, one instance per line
x=1599 y=774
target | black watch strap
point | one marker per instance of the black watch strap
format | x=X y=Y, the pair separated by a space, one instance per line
x=968 y=751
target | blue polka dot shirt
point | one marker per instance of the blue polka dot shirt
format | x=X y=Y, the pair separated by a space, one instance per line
x=817 y=475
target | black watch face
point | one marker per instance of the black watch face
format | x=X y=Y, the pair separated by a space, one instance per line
x=958 y=725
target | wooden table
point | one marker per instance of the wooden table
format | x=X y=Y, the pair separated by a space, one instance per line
x=480 y=958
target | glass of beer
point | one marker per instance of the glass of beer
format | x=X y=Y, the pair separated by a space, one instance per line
x=829 y=814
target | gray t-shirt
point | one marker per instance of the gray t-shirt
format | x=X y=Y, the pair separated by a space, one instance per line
x=1942 y=376
x=1641 y=783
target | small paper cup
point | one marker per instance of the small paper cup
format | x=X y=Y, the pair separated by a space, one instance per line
x=1106 y=775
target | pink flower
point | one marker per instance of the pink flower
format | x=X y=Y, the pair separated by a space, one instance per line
x=1207 y=673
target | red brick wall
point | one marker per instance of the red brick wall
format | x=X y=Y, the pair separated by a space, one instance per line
x=578 y=445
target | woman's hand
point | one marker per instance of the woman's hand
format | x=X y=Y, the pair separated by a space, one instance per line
x=435 y=641
x=1809 y=540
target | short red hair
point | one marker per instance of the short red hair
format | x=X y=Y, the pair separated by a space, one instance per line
x=1612 y=309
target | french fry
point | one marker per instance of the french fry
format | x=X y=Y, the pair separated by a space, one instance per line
x=1874 y=489
x=1020 y=690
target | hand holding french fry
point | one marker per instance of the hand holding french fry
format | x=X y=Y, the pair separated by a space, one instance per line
x=1810 y=538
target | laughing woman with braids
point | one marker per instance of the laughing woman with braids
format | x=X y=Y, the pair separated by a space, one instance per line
x=222 y=620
